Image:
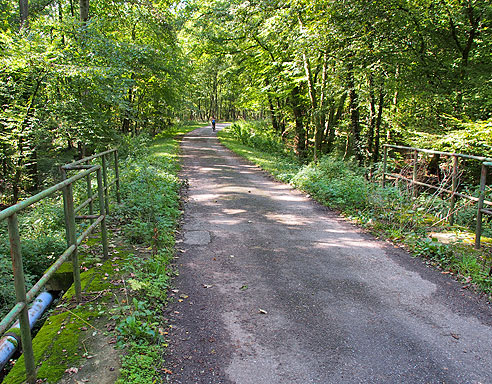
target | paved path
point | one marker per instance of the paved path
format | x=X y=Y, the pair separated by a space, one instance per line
x=274 y=288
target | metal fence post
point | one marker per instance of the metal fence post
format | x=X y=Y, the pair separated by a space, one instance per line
x=385 y=165
x=72 y=237
x=117 y=177
x=454 y=186
x=102 y=212
x=20 y=294
x=105 y=179
x=89 y=194
x=414 y=175
x=478 y=231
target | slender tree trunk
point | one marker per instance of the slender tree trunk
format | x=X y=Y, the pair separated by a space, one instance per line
x=372 y=114
x=316 y=113
x=84 y=10
x=333 y=121
x=355 y=146
x=464 y=49
x=299 y=130
x=19 y=165
x=24 y=13
x=60 y=18
x=33 y=170
x=377 y=138
x=280 y=116
x=272 y=109
x=125 y=127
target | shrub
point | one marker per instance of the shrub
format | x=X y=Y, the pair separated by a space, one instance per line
x=334 y=182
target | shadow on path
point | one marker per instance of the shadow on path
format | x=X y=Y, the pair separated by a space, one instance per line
x=274 y=288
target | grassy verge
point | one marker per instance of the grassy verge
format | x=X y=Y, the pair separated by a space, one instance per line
x=123 y=296
x=148 y=217
x=386 y=212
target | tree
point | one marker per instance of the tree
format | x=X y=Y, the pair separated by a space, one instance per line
x=84 y=10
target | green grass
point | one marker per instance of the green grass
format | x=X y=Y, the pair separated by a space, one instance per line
x=386 y=212
x=149 y=216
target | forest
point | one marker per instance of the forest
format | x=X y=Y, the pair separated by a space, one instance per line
x=314 y=90
x=329 y=76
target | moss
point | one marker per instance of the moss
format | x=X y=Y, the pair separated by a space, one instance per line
x=56 y=346
x=62 y=279
x=16 y=332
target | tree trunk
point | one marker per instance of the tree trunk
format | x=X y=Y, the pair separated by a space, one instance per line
x=272 y=109
x=24 y=13
x=125 y=127
x=372 y=114
x=465 y=49
x=33 y=171
x=377 y=138
x=355 y=146
x=84 y=10
x=60 y=18
x=281 y=122
x=333 y=121
x=300 y=130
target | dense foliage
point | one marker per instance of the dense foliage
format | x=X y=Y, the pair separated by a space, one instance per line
x=72 y=84
x=346 y=76
x=332 y=76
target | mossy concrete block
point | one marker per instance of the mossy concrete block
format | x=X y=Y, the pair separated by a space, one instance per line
x=62 y=279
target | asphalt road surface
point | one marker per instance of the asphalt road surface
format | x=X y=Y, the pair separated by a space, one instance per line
x=273 y=288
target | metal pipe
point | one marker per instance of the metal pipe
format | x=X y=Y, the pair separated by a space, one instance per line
x=105 y=180
x=10 y=342
x=454 y=187
x=102 y=212
x=49 y=272
x=385 y=165
x=117 y=177
x=483 y=183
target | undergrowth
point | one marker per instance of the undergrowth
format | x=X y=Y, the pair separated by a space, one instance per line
x=388 y=212
x=148 y=216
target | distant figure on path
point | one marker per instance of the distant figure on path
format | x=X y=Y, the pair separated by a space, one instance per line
x=213 y=123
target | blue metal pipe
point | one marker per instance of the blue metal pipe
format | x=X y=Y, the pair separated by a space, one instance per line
x=11 y=341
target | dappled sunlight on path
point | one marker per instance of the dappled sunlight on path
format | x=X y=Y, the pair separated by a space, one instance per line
x=283 y=291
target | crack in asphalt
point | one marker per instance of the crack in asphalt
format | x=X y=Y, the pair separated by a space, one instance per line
x=278 y=289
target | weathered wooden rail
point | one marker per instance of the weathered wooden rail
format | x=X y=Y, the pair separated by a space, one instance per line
x=85 y=170
x=453 y=192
